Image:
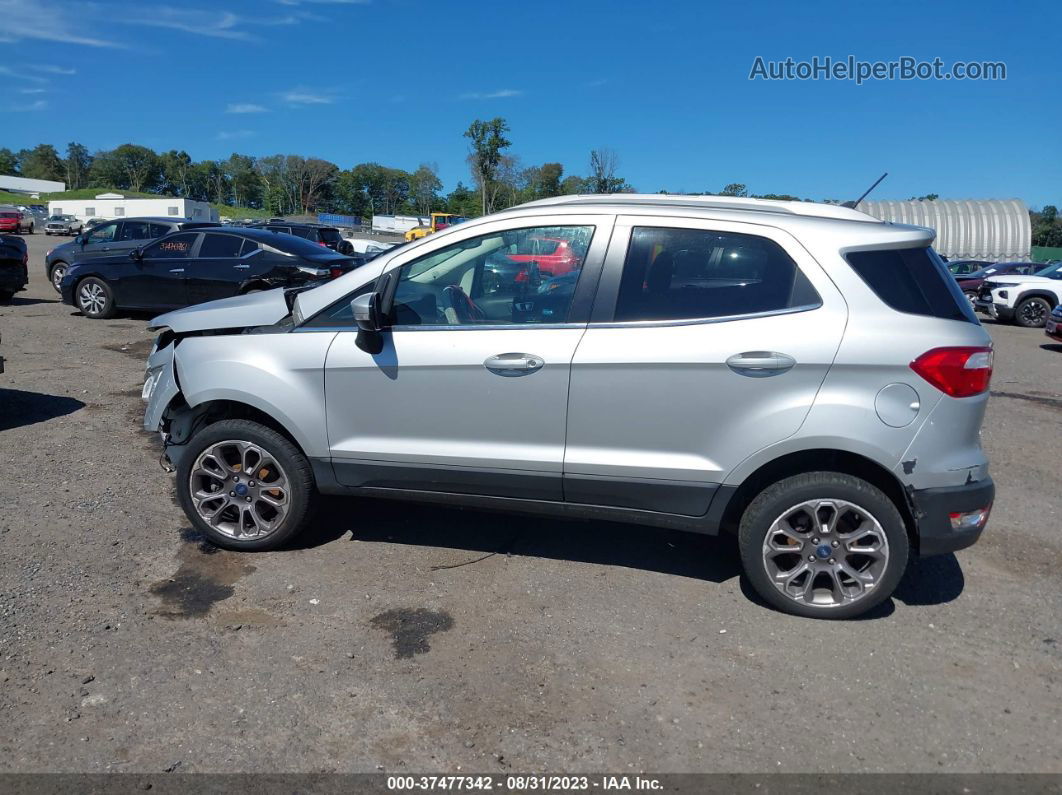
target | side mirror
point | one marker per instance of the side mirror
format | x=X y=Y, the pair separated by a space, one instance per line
x=367 y=314
x=136 y=254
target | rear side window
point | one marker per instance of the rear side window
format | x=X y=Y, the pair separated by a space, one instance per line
x=329 y=235
x=694 y=274
x=912 y=280
x=220 y=246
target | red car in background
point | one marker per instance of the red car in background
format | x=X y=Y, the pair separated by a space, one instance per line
x=554 y=257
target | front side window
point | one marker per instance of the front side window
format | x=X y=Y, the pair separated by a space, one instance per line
x=494 y=279
x=691 y=274
x=102 y=234
x=158 y=230
x=173 y=247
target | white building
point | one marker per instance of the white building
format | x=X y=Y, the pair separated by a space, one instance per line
x=30 y=187
x=115 y=205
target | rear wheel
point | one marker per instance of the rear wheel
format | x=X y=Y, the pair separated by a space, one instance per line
x=245 y=486
x=823 y=545
x=1032 y=312
x=94 y=298
x=6 y=296
x=57 y=274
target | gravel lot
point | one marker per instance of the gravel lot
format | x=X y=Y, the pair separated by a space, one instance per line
x=127 y=645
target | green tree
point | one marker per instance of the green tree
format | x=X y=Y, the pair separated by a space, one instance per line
x=734 y=189
x=8 y=163
x=77 y=164
x=487 y=142
x=129 y=167
x=243 y=179
x=177 y=174
x=463 y=201
x=424 y=187
x=603 y=165
x=41 y=162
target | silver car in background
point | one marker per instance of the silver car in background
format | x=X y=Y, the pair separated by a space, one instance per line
x=803 y=376
x=63 y=225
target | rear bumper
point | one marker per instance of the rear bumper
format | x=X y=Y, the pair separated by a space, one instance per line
x=932 y=506
x=12 y=278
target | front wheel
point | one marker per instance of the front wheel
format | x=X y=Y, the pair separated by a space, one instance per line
x=58 y=272
x=244 y=486
x=971 y=296
x=823 y=545
x=95 y=299
x=1032 y=312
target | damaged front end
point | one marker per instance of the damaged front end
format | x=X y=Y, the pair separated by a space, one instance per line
x=166 y=412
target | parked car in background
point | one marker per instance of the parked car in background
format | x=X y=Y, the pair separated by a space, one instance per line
x=359 y=245
x=1025 y=300
x=1053 y=325
x=16 y=221
x=112 y=237
x=962 y=267
x=63 y=225
x=14 y=260
x=749 y=334
x=197 y=265
x=970 y=283
x=327 y=236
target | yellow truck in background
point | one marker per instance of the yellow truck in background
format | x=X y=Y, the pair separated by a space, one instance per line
x=439 y=221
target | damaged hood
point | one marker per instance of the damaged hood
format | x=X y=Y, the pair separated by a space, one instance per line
x=241 y=311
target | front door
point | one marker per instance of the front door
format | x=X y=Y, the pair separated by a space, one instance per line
x=709 y=341
x=469 y=392
x=157 y=280
x=99 y=242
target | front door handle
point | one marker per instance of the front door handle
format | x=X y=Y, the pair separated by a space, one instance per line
x=759 y=364
x=514 y=364
x=176 y=270
x=240 y=267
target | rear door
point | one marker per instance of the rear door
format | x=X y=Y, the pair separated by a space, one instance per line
x=469 y=393
x=218 y=271
x=708 y=342
x=133 y=234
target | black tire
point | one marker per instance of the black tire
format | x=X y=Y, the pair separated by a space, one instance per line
x=775 y=500
x=1032 y=312
x=57 y=266
x=303 y=497
x=971 y=296
x=93 y=310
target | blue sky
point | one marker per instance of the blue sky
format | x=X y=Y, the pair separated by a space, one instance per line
x=665 y=84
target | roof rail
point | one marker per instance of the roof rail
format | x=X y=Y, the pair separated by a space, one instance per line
x=776 y=206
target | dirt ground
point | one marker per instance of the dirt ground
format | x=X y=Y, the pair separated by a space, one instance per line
x=128 y=645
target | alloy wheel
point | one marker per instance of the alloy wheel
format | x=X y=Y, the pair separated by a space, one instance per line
x=240 y=489
x=58 y=272
x=91 y=298
x=1033 y=312
x=825 y=553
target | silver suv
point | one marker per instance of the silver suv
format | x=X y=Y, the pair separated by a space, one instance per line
x=804 y=376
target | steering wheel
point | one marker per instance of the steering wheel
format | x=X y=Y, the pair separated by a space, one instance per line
x=463 y=307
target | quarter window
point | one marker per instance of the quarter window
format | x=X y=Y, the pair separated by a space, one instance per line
x=912 y=280
x=690 y=274
x=173 y=247
x=158 y=230
x=496 y=279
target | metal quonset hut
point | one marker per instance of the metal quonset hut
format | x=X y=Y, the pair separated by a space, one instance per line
x=996 y=230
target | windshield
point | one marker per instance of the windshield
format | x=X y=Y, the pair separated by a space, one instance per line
x=1051 y=271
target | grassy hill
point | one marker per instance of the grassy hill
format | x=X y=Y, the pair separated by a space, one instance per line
x=91 y=193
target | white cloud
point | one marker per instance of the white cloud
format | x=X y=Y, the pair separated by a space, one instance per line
x=221 y=25
x=499 y=94
x=324 y=2
x=32 y=90
x=232 y=135
x=245 y=107
x=54 y=70
x=49 y=21
x=305 y=96
x=595 y=83
x=40 y=104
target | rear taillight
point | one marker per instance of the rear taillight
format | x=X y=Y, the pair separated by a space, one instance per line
x=322 y=243
x=335 y=272
x=957 y=372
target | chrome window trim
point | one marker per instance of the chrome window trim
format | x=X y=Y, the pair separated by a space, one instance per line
x=705 y=320
x=485 y=327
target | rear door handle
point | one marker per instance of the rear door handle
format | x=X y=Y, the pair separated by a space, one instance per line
x=176 y=270
x=514 y=364
x=241 y=267
x=759 y=364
